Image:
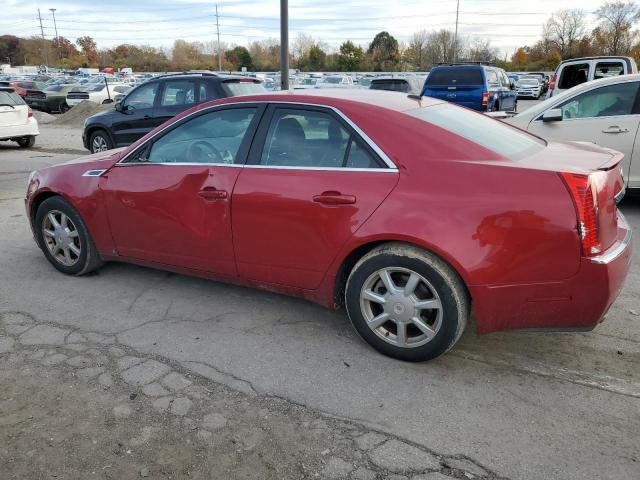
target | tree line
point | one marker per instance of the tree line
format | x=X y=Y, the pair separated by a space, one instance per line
x=564 y=35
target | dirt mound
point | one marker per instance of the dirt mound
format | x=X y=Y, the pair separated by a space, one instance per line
x=76 y=116
x=43 y=117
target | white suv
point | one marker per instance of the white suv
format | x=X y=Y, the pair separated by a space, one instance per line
x=580 y=70
x=17 y=122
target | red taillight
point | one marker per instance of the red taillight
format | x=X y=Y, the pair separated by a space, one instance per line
x=552 y=82
x=584 y=198
x=29 y=113
x=485 y=98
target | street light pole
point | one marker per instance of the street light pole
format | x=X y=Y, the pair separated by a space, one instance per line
x=218 y=30
x=455 y=39
x=44 y=43
x=53 y=12
x=284 y=44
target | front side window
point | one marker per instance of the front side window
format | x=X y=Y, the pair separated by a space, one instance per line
x=573 y=75
x=142 y=97
x=612 y=100
x=178 y=92
x=213 y=137
x=491 y=134
x=312 y=139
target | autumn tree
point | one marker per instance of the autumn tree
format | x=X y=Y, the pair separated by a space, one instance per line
x=88 y=48
x=520 y=58
x=564 y=30
x=616 y=23
x=239 y=57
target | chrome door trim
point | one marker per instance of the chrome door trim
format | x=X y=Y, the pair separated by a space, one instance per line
x=385 y=158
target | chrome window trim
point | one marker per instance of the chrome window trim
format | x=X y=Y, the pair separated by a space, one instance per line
x=385 y=158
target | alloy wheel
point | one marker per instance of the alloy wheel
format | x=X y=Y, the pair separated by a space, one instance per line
x=61 y=238
x=99 y=144
x=401 y=307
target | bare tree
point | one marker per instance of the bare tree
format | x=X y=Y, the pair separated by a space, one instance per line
x=480 y=50
x=416 y=52
x=564 y=30
x=616 y=21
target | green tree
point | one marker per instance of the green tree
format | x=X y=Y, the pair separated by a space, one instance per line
x=350 y=57
x=316 y=58
x=384 y=52
x=239 y=57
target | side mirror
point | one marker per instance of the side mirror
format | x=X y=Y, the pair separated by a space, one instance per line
x=553 y=115
x=119 y=107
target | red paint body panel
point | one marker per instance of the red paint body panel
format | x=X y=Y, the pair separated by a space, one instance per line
x=283 y=236
x=507 y=227
x=156 y=214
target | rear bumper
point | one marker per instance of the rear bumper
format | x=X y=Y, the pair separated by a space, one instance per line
x=579 y=303
x=17 y=131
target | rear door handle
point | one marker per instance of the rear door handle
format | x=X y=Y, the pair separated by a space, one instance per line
x=334 y=198
x=615 y=129
x=210 y=193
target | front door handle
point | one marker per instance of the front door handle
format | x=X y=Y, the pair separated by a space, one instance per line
x=615 y=129
x=334 y=198
x=210 y=193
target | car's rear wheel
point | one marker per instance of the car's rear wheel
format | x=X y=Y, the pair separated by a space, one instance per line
x=100 y=141
x=64 y=107
x=27 y=142
x=406 y=302
x=64 y=239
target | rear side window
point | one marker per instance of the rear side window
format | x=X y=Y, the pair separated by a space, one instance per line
x=10 y=98
x=608 y=69
x=234 y=89
x=573 y=75
x=455 y=76
x=482 y=130
x=492 y=78
x=391 y=85
x=179 y=92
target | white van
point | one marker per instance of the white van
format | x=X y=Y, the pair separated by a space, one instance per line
x=580 y=70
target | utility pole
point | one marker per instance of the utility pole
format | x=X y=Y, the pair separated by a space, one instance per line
x=284 y=44
x=53 y=11
x=455 y=39
x=218 y=29
x=44 y=46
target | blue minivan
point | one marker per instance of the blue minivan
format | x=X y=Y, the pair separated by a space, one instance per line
x=480 y=87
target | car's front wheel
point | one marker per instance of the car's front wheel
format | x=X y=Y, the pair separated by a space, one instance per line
x=64 y=238
x=27 y=142
x=406 y=302
x=99 y=141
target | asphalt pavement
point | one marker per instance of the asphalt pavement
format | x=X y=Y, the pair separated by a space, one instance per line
x=526 y=406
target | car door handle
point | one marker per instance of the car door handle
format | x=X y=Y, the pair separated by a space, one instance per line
x=211 y=193
x=615 y=129
x=334 y=198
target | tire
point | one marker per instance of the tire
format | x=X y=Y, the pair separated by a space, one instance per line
x=82 y=261
x=496 y=107
x=99 y=141
x=437 y=283
x=64 y=107
x=27 y=142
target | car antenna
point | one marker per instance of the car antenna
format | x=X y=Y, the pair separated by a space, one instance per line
x=414 y=96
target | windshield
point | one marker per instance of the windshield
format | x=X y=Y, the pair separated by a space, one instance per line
x=95 y=88
x=308 y=81
x=492 y=134
x=243 y=88
x=333 y=80
x=528 y=82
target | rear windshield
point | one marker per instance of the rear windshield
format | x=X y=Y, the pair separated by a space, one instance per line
x=10 y=98
x=573 y=75
x=455 y=76
x=243 y=88
x=478 y=128
x=393 y=85
x=53 y=88
x=528 y=81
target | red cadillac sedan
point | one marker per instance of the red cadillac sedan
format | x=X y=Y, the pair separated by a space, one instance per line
x=409 y=212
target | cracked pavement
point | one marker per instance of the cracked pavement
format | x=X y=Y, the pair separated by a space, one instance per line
x=513 y=405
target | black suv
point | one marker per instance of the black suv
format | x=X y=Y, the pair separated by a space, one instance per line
x=156 y=101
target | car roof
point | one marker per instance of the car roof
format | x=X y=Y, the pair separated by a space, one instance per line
x=397 y=101
x=601 y=57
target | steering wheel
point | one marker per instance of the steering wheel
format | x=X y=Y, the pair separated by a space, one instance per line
x=201 y=148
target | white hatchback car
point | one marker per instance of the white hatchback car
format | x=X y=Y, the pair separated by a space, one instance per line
x=17 y=122
x=606 y=112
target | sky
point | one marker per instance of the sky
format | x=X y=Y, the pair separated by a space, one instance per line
x=508 y=24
